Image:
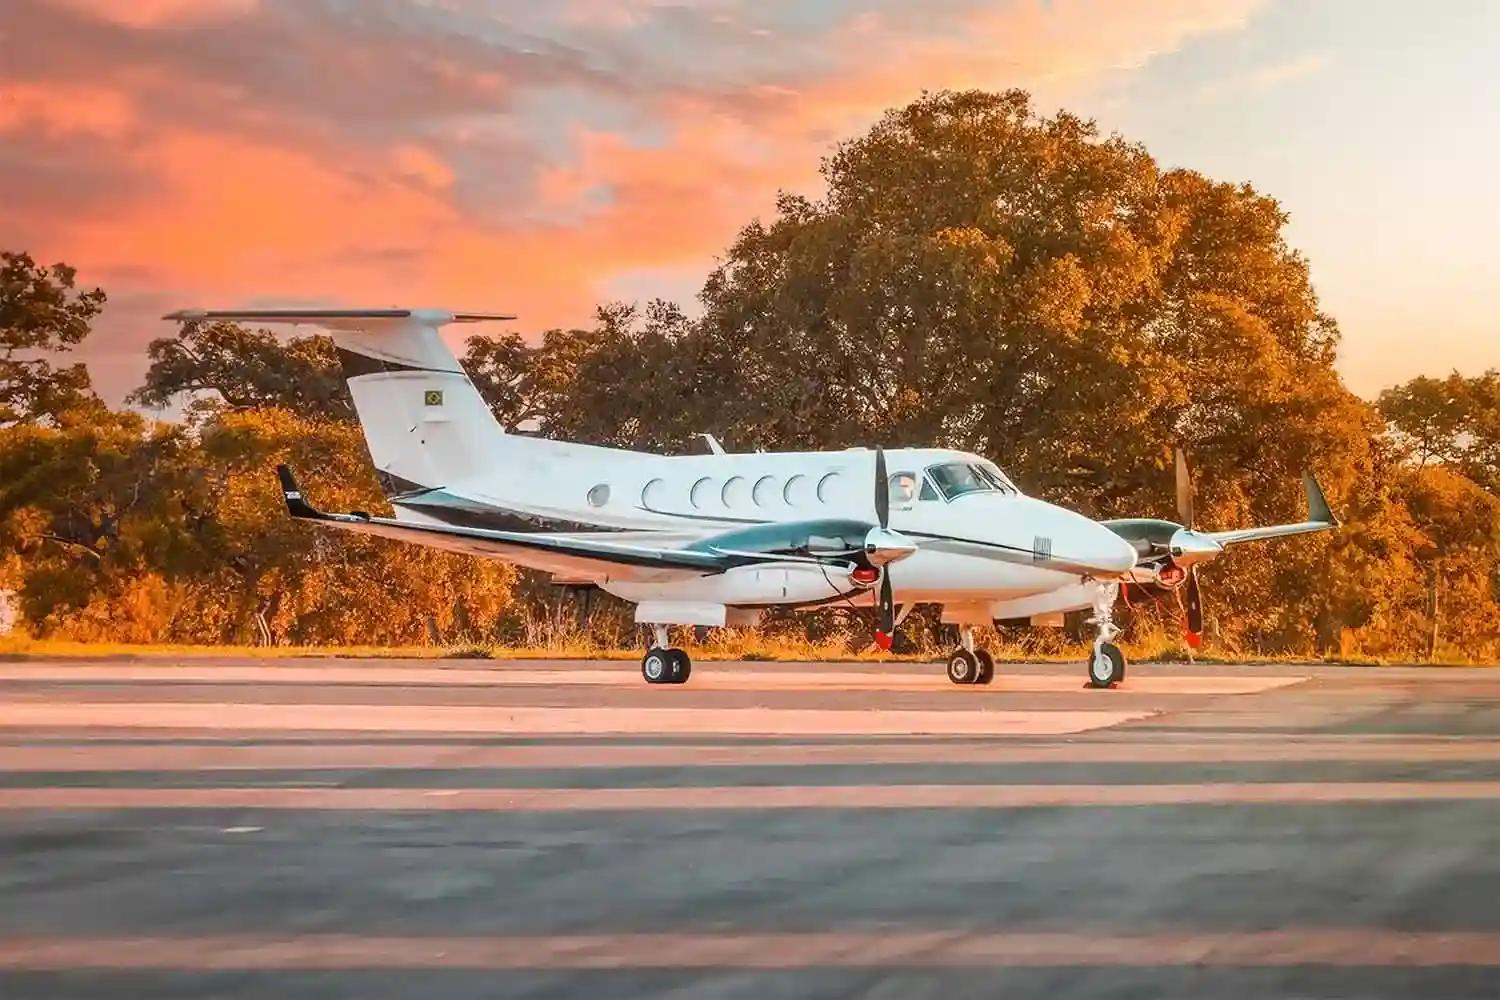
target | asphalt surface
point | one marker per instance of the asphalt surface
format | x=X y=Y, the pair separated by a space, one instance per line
x=319 y=828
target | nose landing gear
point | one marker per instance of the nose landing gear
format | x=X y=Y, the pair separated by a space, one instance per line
x=1106 y=665
x=968 y=664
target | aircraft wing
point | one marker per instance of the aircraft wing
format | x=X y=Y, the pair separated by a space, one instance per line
x=1319 y=518
x=578 y=555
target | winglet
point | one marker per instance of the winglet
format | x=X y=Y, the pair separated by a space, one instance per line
x=292 y=493
x=1317 y=504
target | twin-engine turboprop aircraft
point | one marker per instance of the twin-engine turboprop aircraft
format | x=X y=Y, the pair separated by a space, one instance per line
x=715 y=539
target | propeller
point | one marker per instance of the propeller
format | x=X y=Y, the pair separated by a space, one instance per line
x=883 y=547
x=1189 y=548
x=1193 y=605
x=1184 y=489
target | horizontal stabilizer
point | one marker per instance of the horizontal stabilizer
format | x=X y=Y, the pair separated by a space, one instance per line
x=335 y=317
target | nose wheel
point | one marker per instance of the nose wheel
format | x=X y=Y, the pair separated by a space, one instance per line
x=968 y=664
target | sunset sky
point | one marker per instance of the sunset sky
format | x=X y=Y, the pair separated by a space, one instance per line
x=542 y=157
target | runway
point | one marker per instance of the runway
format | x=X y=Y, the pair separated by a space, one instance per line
x=302 y=828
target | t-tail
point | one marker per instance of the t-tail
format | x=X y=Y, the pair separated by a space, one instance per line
x=424 y=422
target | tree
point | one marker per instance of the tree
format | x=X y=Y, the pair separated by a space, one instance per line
x=987 y=278
x=1454 y=421
x=41 y=312
x=246 y=369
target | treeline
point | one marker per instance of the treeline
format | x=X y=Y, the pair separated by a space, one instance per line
x=976 y=275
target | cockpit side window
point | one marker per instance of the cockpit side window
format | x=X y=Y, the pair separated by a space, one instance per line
x=994 y=475
x=928 y=493
x=958 y=478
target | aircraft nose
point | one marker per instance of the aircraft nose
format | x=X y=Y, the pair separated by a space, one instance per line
x=1086 y=542
x=1108 y=550
x=1095 y=545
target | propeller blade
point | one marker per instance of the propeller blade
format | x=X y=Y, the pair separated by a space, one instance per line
x=885 y=631
x=1193 y=604
x=882 y=491
x=1184 y=489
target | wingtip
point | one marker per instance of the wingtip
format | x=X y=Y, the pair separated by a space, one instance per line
x=1317 y=504
x=296 y=505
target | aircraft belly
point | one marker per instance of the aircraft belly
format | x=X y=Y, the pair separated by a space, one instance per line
x=933 y=576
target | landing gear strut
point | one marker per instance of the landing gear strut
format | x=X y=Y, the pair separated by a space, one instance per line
x=968 y=664
x=1106 y=665
x=664 y=664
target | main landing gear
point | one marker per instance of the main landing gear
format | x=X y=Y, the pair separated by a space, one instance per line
x=968 y=664
x=1106 y=666
x=663 y=664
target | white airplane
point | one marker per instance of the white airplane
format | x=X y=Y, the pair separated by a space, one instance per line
x=714 y=539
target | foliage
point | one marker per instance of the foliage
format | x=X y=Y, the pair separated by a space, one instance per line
x=246 y=369
x=1454 y=421
x=41 y=314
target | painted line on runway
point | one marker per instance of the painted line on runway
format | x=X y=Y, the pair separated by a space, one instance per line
x=512 y=720
x=111 y=757
x=546 y=800
x=706 y=677
x=1342 y=947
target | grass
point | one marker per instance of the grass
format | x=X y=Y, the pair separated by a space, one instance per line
x=729 y=645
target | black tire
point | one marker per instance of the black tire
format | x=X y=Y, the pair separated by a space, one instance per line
x=682 y=666
x=656 y=666
x=1107 y=655
x=986 y=667
x=963 y=667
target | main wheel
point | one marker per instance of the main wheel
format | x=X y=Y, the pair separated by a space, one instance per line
x=986 y=671
x=1106 y=665
x=656 y=666
x=682 y=666
x=963 y=667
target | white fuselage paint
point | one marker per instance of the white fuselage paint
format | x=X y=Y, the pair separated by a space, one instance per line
x=692 y=495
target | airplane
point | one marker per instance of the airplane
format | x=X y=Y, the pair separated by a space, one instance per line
x=715 y=539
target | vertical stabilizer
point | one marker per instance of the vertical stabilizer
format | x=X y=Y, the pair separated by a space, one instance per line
x=424 y=422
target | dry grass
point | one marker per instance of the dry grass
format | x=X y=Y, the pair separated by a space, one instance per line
x=731 y=644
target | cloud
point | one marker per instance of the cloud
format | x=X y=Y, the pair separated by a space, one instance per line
x=473 y=152
x=151 y=13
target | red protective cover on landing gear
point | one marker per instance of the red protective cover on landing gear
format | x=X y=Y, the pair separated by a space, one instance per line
x=883 y=641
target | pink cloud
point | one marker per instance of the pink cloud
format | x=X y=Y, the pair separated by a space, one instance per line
x=443 y=153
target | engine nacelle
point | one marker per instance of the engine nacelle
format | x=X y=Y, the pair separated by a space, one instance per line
x=787 y=583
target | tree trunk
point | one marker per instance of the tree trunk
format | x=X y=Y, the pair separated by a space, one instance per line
x=1432 y=616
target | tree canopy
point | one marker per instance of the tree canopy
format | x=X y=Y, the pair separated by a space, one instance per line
x=42 y=314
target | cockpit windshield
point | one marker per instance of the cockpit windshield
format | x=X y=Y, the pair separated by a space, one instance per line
x=958 y=478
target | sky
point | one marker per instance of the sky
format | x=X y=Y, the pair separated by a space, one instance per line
x=544 y=157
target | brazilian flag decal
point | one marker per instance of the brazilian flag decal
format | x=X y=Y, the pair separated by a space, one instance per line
x=433 y=397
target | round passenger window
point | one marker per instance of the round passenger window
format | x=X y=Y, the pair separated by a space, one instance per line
x=796 y=491
x=736 y=491
x=654 y=496
x=828 y=487
x=599 y=495
x=763 y=491
x=702 y=489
